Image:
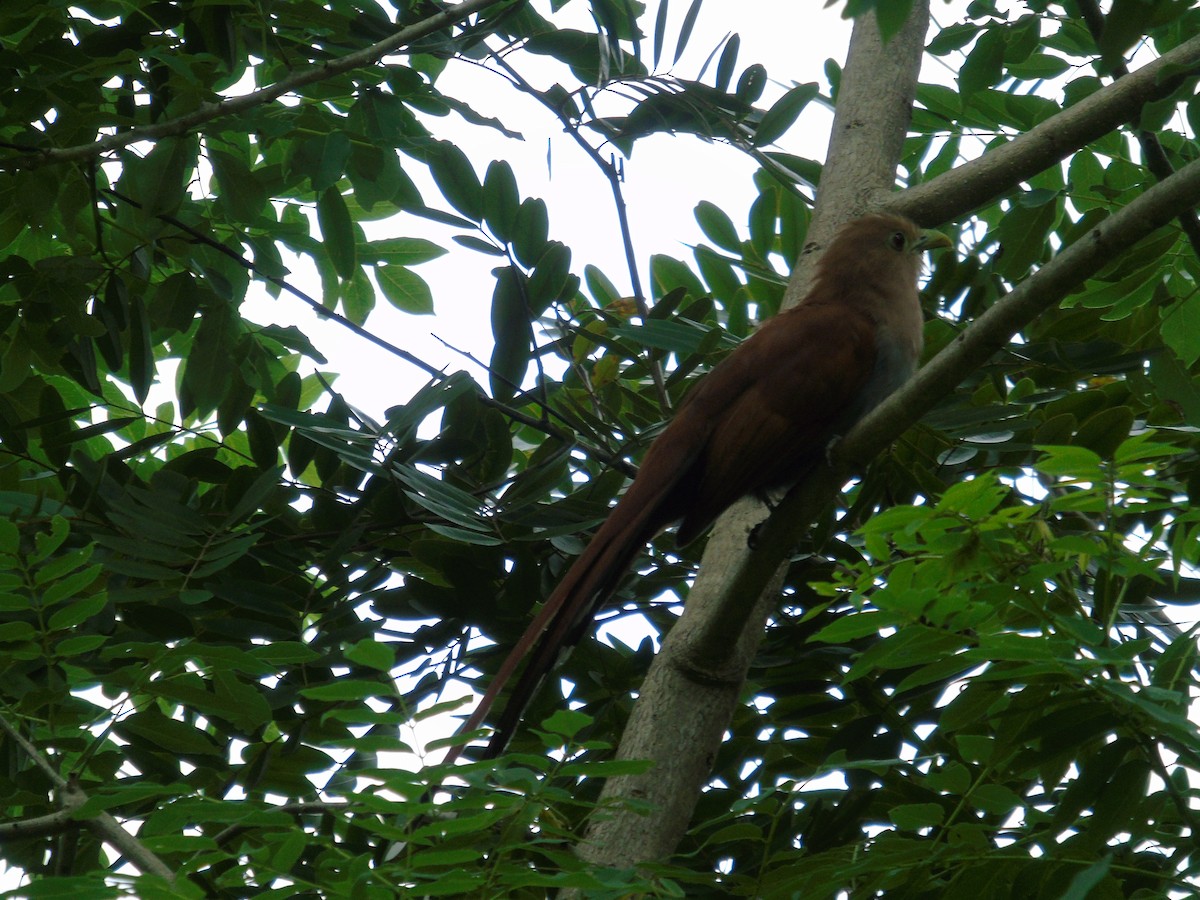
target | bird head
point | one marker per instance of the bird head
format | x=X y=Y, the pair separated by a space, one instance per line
x=873 y=255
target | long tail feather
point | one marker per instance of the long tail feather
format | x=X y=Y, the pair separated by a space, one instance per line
x=560 y=623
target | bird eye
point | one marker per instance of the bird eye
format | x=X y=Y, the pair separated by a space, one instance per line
x=897 y=240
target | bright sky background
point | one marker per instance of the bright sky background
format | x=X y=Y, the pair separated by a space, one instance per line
x=664 y=180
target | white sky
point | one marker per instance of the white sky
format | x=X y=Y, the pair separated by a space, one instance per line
x=664 y=180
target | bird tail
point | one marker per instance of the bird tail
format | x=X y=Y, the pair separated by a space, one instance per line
x=561 y=620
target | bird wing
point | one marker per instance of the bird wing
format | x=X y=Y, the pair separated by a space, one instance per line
x=787 y=392
x=755 y=421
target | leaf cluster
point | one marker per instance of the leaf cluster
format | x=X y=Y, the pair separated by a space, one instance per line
x=233 y=606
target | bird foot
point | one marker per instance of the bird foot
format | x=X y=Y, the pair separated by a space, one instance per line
x=830 y=447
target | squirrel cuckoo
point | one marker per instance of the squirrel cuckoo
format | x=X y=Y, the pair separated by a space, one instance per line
x=758 y=421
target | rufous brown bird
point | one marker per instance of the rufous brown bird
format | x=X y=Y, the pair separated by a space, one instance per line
x=762 y=418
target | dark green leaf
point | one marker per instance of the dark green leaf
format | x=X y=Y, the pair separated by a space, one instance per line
x=717 y=226
x=532 y=231
x=456 y=179
x=510 y=330
x=501 y=202
x=549 y=277
x=985 y=63
x=685 y=31
x=141 y=351
x=337 y=231
x=400 y=251
x=727 y=62
x=157 y=182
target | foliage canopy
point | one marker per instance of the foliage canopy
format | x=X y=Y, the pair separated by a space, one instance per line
x=222 y=617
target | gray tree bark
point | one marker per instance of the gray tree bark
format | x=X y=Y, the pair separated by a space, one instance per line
x=695 y=682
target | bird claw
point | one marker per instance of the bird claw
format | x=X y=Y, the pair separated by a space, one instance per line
x=752 y=537
x=830 y=447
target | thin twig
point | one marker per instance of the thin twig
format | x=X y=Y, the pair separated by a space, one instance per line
x=571 y=437
x=102 y=824
x=1152 y=150
x=319 y=308
x=208 y=112
x=614 y=181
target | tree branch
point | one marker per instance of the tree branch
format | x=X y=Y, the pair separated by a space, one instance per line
x=966 y=187
x=208 y=112
x=940 y=376
x=614 y=182
x=102 y=824
x=1152 y=149
x=685 y=703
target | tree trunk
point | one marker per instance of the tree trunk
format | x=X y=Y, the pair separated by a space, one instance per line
x=695 y=681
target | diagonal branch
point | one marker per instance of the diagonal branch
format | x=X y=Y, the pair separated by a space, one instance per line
x=941 y=375
x=961 y=190
x=1152 y=148
x=614 y=176
x=683 y=709
x=102 y=824
x=208 y=112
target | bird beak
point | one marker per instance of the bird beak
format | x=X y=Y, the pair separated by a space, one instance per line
x=932 y=240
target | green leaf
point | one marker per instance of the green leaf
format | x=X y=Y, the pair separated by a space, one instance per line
x=320 y=159
x=915 y=816
x=169 y=734
x=347 y=689
x=660 y=31
x=240 y=193
x=1180 y=328
x=891 y=16
x=1105 y=431
x=952 y=37
x=65 y=887
x=358 y=296
x=676 y=335
x=405 y=289
x=77 y=612
x=404 y=251
x=176 y=302
x=141 y=351
x=441 y=497
x=501 y=201
x=373 y=654
x=727 y=62
x=984 y=65
x=717 y=226
x=1022 y=234
x=566 y=723
x=750 y=85
x=1082 y=884
x=510 y=331
x=456 y=179
x=994 y=798
x=337 y=231
x=549 y=277
x=667 y=273
x=532 y=231
x=783 y=113
x=851 y=626
x=685 y=31
x=1124 y=24
x=207 y=373
x=157 y=182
